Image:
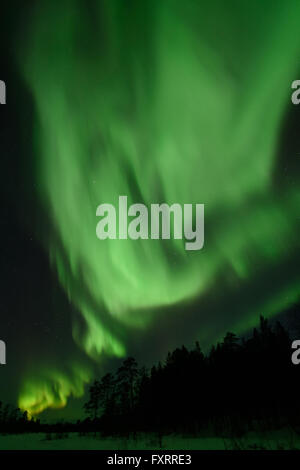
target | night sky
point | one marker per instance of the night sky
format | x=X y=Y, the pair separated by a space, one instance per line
x=186 y=102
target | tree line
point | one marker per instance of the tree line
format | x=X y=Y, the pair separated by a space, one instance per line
x=239 y=385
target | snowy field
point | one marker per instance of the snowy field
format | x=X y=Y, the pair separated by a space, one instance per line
x=277 y=440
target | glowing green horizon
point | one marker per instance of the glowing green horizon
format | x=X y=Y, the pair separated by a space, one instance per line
x=163 y=102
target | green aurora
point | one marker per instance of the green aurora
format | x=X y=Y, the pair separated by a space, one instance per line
x=162 y=101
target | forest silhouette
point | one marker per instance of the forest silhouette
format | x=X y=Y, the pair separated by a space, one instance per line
x=240 y=385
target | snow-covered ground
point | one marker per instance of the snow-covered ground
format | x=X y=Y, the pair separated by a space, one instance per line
x=277 y=440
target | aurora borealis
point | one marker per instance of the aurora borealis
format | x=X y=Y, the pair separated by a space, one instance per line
x=162 y=101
